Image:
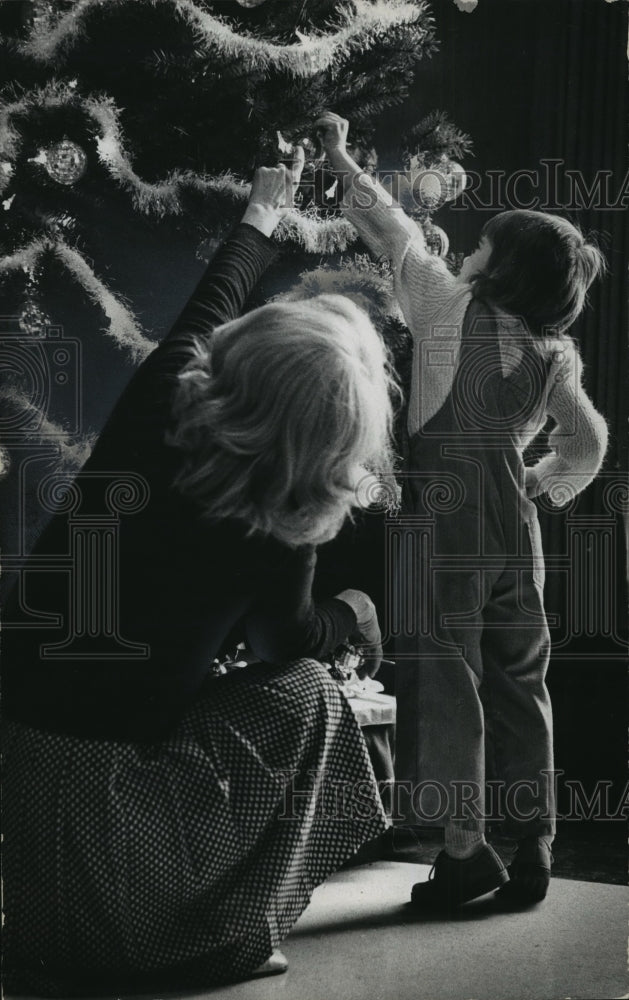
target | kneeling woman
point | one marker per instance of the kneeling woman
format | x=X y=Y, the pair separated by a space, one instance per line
x=164 y=829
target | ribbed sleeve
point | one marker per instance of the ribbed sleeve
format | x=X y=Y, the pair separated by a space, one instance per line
x=579 y=439
x=432 y=301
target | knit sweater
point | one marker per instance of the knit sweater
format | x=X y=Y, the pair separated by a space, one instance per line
x=434 y=303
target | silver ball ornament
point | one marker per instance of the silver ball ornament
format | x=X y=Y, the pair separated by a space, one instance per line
x=456 y=180
x=436 y=239
x=65 y=162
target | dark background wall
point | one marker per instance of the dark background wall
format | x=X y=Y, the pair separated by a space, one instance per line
x=532 y=80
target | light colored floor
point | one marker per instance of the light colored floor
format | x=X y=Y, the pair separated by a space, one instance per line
x=359 y=940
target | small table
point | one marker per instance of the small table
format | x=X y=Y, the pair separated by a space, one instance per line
x=376 y=714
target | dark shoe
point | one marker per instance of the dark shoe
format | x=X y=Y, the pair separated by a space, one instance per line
x=529 y=873
x=452 y=882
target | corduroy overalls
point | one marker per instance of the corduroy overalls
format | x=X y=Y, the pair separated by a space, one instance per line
x=474 y=645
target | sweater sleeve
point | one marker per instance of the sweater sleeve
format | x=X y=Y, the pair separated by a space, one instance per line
x=230 y=278
x=432 y=301
x=286 y=624
x=579 y=438
x=424 y=285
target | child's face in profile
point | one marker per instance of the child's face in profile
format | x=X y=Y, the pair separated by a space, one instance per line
x=477 y=261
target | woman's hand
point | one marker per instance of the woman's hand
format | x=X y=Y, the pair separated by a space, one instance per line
x=332 y=133
x=531 y=483
x=367 y=636
x=272 y=194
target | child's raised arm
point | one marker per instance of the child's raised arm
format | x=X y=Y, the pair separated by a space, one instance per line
x=424 y=284
x=432 y=301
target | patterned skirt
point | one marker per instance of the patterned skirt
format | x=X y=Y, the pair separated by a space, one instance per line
x=135 y=867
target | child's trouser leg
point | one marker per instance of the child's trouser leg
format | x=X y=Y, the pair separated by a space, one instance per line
x=515 y=651
x=440 y=755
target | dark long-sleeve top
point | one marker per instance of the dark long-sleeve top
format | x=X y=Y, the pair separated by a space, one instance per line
x=172 y=584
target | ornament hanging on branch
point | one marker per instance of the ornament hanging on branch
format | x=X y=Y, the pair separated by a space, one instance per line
x=33 y=320
x=436 y=239
x=467 y=6
x=65 y=162
x=250 y=3
x=433 y=186
x=421 y=190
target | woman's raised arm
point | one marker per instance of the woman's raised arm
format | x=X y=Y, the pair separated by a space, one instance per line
x=239 y=264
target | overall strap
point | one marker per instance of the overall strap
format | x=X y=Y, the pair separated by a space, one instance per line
x=476 y=389
x=485 y=398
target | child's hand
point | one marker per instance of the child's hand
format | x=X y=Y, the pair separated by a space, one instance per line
x=332 y=132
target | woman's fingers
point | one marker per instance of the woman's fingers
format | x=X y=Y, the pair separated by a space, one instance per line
x=331 y=116
x=371 y=664
x=299 y=159
x=293 y=175
x=274 y=187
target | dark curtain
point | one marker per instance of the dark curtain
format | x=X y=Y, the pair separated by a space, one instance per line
x=534 y=81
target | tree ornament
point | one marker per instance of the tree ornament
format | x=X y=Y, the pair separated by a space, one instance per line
x=434 y=185
x=65 y=162
x=436 y=240
x=456 y=180
x=33 y=320
x=428 y=187
x=467 y=6
x=250 y=3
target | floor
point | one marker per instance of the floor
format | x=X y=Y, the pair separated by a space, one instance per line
x=359 y=940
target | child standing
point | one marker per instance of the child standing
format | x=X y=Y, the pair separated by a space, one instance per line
x=490 y=363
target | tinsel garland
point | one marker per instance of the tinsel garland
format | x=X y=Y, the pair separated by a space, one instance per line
x=123 y=327
x=160 y=199
x=72 y=450
x=311 y=55
x=368 y=283
x=167 y=197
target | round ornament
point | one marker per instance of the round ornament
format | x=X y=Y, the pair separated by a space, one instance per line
x=433 y=186
x=428 y=187
x=456 y=180
x=33 y=320
x=436 y=240
x=250 y=3
x=65 y=162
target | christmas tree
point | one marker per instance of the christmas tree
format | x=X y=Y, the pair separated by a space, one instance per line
x=136 y=126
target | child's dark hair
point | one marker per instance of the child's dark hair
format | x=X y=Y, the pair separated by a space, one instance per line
x=540 y=268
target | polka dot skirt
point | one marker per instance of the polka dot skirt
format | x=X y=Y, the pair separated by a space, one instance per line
x=180 y=864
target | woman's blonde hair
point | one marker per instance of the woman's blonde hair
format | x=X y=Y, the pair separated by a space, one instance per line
x=279 y=415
